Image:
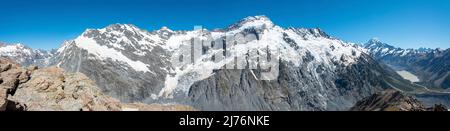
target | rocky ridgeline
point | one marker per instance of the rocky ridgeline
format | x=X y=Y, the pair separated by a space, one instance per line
x=52 y=89
x=392 y=100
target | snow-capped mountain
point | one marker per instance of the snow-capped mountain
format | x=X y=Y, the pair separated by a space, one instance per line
x=313 y=70
x=25 y=55
x=380 y=49
x=432 y=66
x=127 y=62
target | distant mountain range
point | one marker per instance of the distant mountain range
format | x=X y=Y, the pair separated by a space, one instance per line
x=25 y=55
x=314 y=71
x=432 y=66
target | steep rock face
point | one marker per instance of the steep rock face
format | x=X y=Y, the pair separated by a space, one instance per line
x=297 y=88
x=127 y=62
x=434 y=69
x=51 y=89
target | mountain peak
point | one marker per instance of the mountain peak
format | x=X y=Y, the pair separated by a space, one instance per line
x=113 y=27
x=258 y=17
x=260 y=21
x=374 y=40
x=165 y=29
x=15 y=45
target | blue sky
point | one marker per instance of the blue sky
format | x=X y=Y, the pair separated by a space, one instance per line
x=404 y=23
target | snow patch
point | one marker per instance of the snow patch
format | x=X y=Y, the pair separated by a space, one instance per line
x=103 y=53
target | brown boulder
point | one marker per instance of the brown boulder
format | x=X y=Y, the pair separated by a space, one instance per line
x=12 y=75
x=5 y=67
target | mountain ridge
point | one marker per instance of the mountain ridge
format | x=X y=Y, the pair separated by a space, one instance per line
x=136 y=65
x=25 y=55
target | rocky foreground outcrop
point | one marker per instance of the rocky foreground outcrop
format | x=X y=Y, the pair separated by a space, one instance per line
x=393 y=100
x=52 y=89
